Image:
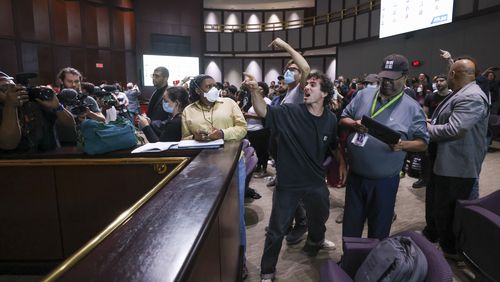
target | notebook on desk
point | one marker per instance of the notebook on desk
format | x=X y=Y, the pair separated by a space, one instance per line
x=380 y=131
x=193 y=144
x=155 y=147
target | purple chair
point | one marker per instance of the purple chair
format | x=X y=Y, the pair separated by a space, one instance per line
x=477 y=229
x=356 y=250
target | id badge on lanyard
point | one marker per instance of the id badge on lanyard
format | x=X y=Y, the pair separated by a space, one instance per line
x=359 y=139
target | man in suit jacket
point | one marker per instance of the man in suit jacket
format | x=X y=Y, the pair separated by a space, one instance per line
x=458 y=135
x=155 y=110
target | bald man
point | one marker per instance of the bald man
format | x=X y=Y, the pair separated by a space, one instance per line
x=458 y=137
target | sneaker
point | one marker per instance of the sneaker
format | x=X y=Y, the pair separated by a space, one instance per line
x=340 y=218
x=267 y=277
x=328 y=245
x=311 y=250
x=419 y=184
x=296 y=235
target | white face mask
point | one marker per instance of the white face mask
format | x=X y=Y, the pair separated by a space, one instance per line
x=212 y=94
x=419 y=89
x=289 y=76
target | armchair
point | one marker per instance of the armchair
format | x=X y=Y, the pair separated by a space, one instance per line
x=356 y=250
x=477 y=229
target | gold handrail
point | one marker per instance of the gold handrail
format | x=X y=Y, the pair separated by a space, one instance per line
x=118 y=222
x=305 y=22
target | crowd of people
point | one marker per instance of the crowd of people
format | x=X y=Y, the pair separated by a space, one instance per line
x=304 y=123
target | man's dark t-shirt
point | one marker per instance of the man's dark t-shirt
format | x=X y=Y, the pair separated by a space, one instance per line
x=432 y=101
x=303 y=141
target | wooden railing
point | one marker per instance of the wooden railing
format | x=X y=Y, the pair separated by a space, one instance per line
x=309 y=21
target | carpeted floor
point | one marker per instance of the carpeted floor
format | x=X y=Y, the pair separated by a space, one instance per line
x=293 y=265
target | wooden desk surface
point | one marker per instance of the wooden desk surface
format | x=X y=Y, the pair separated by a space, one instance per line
x=160 y=240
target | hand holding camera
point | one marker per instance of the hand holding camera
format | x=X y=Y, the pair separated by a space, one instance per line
x=14 y=95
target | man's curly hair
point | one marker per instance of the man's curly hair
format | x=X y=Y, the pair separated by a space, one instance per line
x=326 y=86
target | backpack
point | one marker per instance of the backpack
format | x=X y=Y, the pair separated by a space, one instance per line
x=394 y=259
x=101 y=138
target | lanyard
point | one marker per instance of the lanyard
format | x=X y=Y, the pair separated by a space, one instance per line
x=373 y=115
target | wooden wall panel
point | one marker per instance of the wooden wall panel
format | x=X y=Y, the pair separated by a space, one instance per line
x=78 y=60
x=41 y=20
x=9 y=57
x=74 y=21
x=103 y=32
x=184 y=20
x=56 y=33
x=62 y=59
x=131 y=68
x=117 y=69
x=91 y=25
x=29 y=224
x=6 y=20
x=60 y=22
x=118 y=29
x=129 y=30
x=24 y=19
x=91 y=74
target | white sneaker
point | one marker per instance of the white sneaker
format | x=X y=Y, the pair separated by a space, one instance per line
x=328 y=245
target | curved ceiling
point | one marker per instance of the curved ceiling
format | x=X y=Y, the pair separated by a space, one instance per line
x=257 y=4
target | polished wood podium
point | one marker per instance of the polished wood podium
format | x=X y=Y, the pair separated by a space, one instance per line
x=169 y=216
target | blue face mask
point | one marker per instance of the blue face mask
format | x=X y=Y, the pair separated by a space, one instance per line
x=289 y=77
x=166 y=107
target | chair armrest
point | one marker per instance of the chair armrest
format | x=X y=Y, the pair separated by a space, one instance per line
x=477 y=233
x=355 y=252
x=331 y=272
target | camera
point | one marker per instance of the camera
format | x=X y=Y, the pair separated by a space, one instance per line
x=73 y=99
x=106 y=95
x=42 y=93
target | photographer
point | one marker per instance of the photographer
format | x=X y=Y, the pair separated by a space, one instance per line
x=113 y=103
x=71 y=78
x=11 y=97
x=39 y=110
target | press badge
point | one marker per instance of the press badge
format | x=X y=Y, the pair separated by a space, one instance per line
x=359 y=139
